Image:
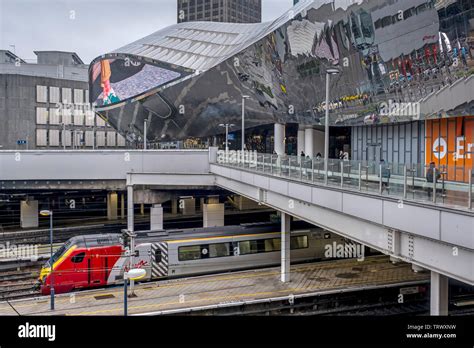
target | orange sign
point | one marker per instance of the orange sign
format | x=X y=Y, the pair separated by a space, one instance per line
x=450 y=143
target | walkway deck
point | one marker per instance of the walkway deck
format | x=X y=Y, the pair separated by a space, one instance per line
x=179 y=295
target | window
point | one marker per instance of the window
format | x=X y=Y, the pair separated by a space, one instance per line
x=41 y=116
x=272 y=244
x=298 y=242
x=41 y=94
x=66 y=95
x=41 y=137
x=158 y=256
x=78 y=258
x=188 y=253
x=219 y=250
x=54 y=94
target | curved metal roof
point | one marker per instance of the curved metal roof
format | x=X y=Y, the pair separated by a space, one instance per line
x=202 y=45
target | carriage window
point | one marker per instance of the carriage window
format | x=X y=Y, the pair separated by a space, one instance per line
x=299 y=242
x=78 y=258
x=187 y=253
x=157 y=255
x=272 y=244
x=219 y=250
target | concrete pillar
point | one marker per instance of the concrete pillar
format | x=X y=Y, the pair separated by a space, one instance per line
x=243 y=203
x=439 y=294
x=213 y=200
x=285 y=247
x=112 y=205
x=279 y=138
x=29 y=214
x=156 y=217
x=201 y=203
x=213 y=215
x=301 y=141
x=130 y=207
x=142 y=209
x=174 y=206
x=189 y=206
x=309 y=142
x=122 y=205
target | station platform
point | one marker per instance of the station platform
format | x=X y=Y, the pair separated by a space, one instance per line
x=185 y=295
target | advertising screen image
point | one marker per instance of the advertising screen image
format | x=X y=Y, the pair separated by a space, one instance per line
x=115 y=80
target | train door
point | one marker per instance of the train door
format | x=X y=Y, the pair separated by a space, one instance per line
x=96 y=267
x=79 y=274
x=159 y=260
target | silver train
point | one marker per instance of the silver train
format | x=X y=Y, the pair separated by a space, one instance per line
x=222 y=250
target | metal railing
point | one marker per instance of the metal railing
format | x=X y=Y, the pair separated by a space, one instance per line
x=448 y=185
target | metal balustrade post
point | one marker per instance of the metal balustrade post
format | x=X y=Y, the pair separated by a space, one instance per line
x=470 y=189
x=342 y=174
x=301 y=169
x=360 y=176
x=434 y=185
x=289 y=167
x=405 y=181
x=271 y=164
x=380 y=179
x=263 y=163
x=312 y=170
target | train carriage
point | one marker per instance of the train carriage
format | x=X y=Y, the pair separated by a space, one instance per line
x=100 y=260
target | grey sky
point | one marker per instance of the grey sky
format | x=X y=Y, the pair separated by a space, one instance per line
x=90 y=27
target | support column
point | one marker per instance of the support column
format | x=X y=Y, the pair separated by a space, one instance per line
x=156 y=217
x=189 y=206
x=142 y=209
x=29 y=214
x=279 y=139
x=122 y=205
x=202 y=201
x=439 y=294
x=112 y=205
x=285 y=247
x=314 y=142
x=130 y=209
x=301 y=142
x=309 y=142
x=213 y=200
x=213 y=215
x=174 y=206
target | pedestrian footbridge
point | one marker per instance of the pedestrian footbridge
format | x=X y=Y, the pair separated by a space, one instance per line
x=430 y=225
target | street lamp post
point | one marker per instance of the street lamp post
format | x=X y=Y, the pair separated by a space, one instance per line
x=227 y=126
x=144 y=135
x=51 y=261
x=243 y=121
x=133 y=274
x=329 y=72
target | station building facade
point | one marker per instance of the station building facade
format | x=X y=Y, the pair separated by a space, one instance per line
x=398 y=62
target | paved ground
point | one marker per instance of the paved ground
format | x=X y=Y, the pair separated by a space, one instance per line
x=224 y=288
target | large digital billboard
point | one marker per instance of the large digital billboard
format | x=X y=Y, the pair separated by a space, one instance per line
x=116 y=80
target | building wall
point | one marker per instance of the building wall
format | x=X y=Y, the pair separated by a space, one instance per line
x=395 y=143
x=29 y=112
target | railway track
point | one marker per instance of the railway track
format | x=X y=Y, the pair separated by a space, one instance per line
x=19 y=282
